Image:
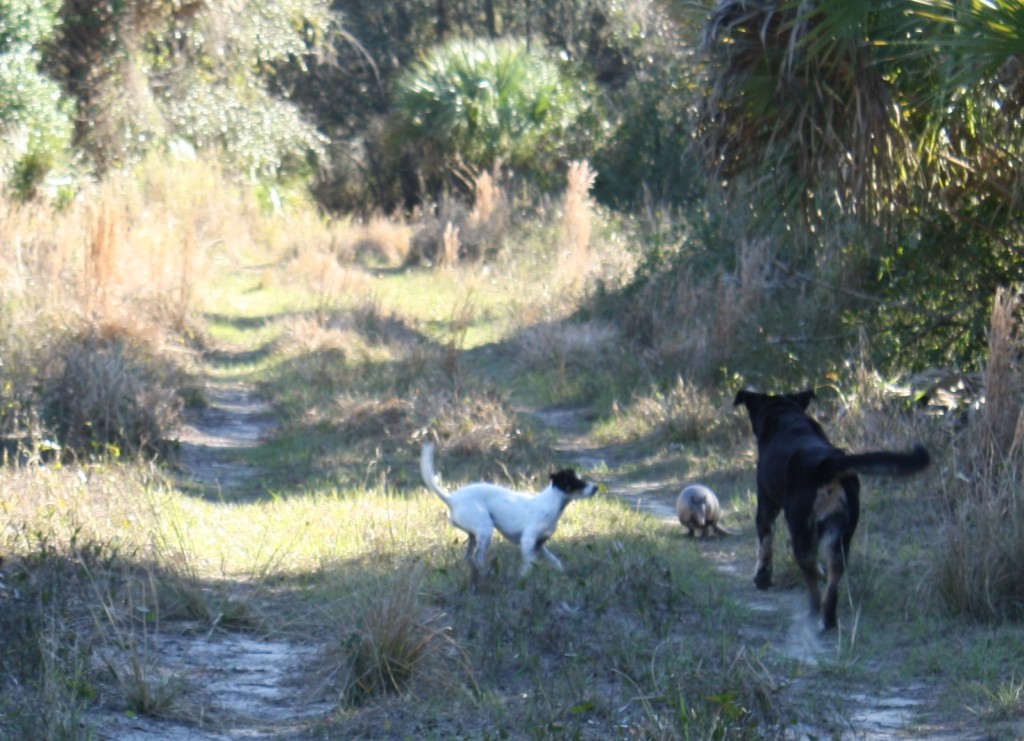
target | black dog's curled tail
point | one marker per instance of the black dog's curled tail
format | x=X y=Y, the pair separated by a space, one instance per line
x=880 y=463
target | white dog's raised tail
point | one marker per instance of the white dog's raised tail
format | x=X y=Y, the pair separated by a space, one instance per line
x=428 y=474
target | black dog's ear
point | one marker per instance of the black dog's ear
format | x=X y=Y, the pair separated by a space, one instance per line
x=803 y=398
x=742 y=397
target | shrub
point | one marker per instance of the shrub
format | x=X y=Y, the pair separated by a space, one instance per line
x=108 y=392
x=137 y=92
x=388 y=638
x=478 y=103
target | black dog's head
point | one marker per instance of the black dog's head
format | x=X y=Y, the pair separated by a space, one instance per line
x=572 y=485
x=760 y=406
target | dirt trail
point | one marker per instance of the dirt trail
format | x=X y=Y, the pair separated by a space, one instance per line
x=872 y=713
x=237 y=686
x=233 y=419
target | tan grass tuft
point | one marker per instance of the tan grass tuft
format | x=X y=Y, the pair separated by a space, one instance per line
x=683 y=413
x=488 y=221
x=107 y=391
x=107 y=234
x=329 y=281
x=1004 y=382
x=388 y=637
x=577 y=218
x=978 y=572
x=450 y=244
x=567 y=345
x=487 y=196
x=382 y=240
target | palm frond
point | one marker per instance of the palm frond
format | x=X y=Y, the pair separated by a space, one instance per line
x=799 y=88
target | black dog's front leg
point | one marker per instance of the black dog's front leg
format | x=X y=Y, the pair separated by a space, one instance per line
x=765 y=522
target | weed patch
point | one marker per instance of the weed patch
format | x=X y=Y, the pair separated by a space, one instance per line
x=106 y=394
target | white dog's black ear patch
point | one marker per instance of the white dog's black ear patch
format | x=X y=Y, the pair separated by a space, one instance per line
x=567 y=481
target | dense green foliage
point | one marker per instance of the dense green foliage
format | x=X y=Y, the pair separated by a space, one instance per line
x=34 y=122
x=148 y=74
x=895 y=121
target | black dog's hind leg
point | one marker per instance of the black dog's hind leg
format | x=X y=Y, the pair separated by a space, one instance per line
x=836 y=547
x=765 y=522
x=838 y=511
x=805 y=552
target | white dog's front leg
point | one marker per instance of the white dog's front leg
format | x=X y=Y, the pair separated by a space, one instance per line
x=551 y=558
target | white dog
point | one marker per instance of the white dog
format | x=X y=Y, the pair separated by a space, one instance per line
x=527 y=520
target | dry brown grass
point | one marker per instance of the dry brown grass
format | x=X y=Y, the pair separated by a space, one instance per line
x=1004 y=381
x=434 y=237
x=676 y=318
x=120 y=252
x=328 y=280
x=126 y=261
x=103 y=391
x=387 y=241
x=682 y=413
x=450 y=244
x=488 y=222
x=386 y=638
x=577 y=221
x=560 y=343
x=979 y=570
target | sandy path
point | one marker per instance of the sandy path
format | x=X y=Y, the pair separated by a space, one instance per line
x=236 y=685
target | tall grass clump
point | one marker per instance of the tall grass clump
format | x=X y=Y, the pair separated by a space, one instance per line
x=100 y=298
x=980 y=569
x=576 y=224
x=381 y=240
x=694 y=320
x=146 y=242
x=563 y=360
x=488 y=221
x=386 y=637
x=681 y=412
x=107 y=392
x=451 y=231
x=45 y=620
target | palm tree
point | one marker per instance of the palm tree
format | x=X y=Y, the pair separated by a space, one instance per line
x=803 y=92
x=904 y=113
x=859 y=97
x=970 y=138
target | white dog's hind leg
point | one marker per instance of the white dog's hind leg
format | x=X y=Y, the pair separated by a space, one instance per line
x=528 y=547
x=483 y=542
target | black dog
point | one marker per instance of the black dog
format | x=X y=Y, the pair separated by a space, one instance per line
x=815 y=483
